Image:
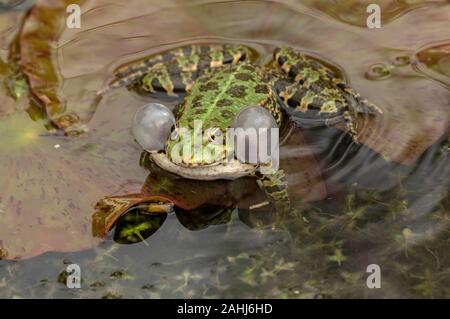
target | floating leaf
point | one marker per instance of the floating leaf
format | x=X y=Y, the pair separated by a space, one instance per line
x=39 y=37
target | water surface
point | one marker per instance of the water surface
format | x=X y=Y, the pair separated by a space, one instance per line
x=387 y=201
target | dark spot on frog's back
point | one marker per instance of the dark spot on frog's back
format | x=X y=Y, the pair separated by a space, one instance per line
x=204 y=49
x=243 y=76
x=227 y=58
x=197 y=105
x=226 y=114
x=167 y=56
x=197 y=102
x=261 y=88
x=202 y=79
x=209 y=86
x=237 y=91
x=173 y=68
x=187 y=50
x=224 y=102
x=248 y=67
x=281 y=59
x=196 y=99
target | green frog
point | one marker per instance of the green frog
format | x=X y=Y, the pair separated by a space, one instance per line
x=219 y=84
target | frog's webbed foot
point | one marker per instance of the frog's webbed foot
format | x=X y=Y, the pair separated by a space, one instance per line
x=175 y=71
x=356 y=103
x=313 y=95
x=276 y=189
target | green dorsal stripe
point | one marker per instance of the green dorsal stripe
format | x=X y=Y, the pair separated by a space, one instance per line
x=216 y=98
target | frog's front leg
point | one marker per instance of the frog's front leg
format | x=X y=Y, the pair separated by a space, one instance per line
x=313 y=95
x=175 y=71
x=276 y=189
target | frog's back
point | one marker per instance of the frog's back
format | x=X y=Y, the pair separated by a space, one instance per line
x=217 y=97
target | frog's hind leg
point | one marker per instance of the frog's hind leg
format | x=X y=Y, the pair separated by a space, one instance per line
x=276 y=189
x=313 y=95
x=316 y=106
x=303 y=70
x=176 y=70
x=127 y=80
x=356 y=102
x=355 y=105
x=129 y=74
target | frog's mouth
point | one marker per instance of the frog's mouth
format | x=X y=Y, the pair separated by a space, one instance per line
x=230 y=170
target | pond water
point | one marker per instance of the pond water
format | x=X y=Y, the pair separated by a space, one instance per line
x=384 y=202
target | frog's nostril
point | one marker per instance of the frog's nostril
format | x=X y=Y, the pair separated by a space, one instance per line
x=152 y=125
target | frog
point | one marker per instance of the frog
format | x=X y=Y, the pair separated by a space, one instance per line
x=218 y=83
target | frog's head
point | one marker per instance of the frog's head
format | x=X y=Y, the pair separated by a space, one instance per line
x=199 y=149
x=187 y=143
x=195 y=145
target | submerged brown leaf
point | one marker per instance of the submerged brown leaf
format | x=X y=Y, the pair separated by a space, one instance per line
x=39 y=37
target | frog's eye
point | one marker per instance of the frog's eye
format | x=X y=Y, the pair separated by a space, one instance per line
x=152 y=125
x=215 y=136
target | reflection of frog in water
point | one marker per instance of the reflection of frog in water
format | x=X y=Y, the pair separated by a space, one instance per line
x=200 y=203
x=197 y=204
x=137 y=225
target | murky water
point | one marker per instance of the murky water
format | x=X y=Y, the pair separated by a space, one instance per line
x=385 y=202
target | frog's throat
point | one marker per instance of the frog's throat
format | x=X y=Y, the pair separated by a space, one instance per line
x=232 y=170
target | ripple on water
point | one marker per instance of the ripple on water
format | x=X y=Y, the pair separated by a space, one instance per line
x=354 y=12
